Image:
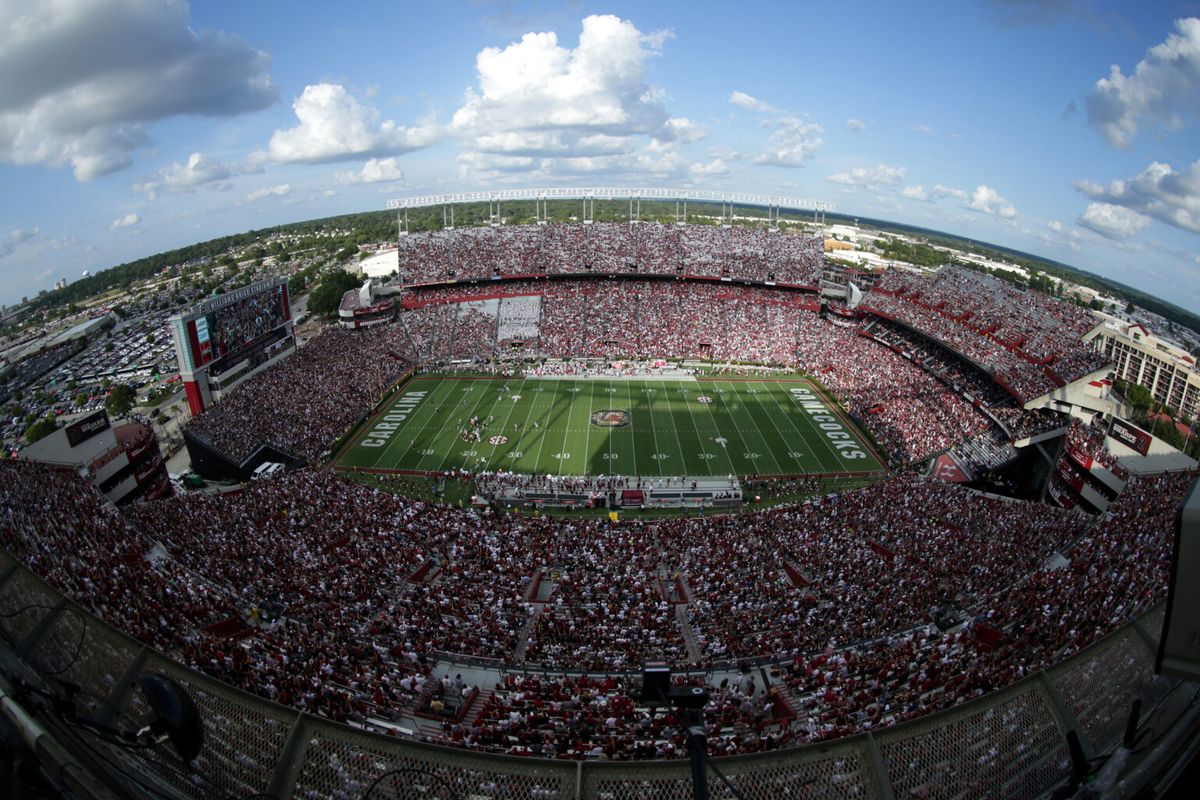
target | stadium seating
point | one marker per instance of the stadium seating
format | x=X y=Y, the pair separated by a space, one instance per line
x=866 y=608
x=336 y=598
x=1030 y=342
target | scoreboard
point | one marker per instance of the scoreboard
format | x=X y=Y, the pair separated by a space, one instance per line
x=222 y=340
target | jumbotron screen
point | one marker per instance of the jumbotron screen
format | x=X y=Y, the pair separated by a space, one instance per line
x=228 y=328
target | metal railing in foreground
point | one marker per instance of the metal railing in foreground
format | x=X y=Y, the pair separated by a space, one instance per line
x=1010 y=743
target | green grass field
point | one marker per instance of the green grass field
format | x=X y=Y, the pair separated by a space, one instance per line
x=592 y=426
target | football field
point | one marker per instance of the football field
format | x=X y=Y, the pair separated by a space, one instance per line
x=613 y=426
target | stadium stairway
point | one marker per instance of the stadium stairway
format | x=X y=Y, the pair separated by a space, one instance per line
x=689 y=634
x=477 y=704
x=798 y=578
x=526 y=632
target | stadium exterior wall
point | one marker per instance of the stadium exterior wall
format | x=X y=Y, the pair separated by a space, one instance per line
x=1010 y=743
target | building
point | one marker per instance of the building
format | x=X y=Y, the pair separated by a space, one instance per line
x=837 y=277
x=123 y=460
x=364 y=307
x=1138 y=356
x=88 y=330
x=381 y=265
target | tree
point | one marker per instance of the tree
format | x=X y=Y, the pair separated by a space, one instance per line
x=120 y=400
x=297 y=284
x=325 y=299
x=1138 y=396
x=41 y=429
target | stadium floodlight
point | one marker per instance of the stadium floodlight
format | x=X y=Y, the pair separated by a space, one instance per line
x=616 y=193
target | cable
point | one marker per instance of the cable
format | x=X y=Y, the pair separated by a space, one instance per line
x=78 y=648
x=69 y=609
x=419 y=771
x=111 y=763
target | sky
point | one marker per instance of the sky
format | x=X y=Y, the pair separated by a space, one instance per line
x=1065 y=128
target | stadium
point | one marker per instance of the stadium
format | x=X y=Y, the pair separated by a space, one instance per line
x=884 y=524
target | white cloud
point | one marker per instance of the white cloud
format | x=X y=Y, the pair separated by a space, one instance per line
x=491 y=166
x=988 y=200
x=725 y=153
x=377 y=170
x=1157 y=191
x=334 y=126
x=793 y=141
x=946 y=191
x=794 y=138
x=536 y=98
x=1163 y=88
x=199 y=170
x=870 y=177
x=1114 y=222
x=712 y=169
x=925 y=129
x=267 y=191
x=1055 y=226
x=95 y=73
x=681 y=130
x=855 y=125
x=743 y=100
x=17 y=237
x=983 y=199
x=127 y=221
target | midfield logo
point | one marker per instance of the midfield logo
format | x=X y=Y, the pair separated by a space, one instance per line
x=610 y=418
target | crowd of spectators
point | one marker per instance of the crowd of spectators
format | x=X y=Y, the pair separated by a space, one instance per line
x=304 y=403
x=1085 y=444
x=1117 y=568
x=237 y=325
x=737 y=252
x=367 y=588
x=915 y=396
x=1028 y=340
x=908 y=411
x=598 y=717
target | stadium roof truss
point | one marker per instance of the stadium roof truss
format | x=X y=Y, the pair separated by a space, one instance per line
x=588 y=195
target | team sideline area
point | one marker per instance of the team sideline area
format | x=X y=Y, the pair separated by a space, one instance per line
x=611 y=425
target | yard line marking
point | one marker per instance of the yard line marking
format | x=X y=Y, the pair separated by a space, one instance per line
x=778 y=469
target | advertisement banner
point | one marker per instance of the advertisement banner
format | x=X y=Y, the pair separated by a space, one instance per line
x=1131 y=436
x=84 y=429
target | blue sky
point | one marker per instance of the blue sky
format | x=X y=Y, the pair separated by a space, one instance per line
x=1066 y=129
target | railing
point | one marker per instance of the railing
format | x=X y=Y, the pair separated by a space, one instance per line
x=611 y=193
x=1010 y=743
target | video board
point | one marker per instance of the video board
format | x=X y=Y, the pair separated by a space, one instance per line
x=227 y=329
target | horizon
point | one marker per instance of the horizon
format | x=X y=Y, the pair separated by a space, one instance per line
x=1082 y=151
